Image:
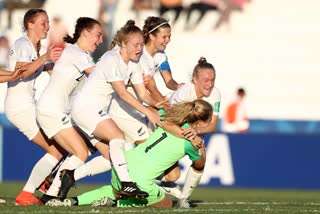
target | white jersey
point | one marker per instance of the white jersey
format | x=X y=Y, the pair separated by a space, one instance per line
x=96 y=94
x=67 y=78
x=20 y=93
x=187 y=93
x=152 y=64
x=110 y=68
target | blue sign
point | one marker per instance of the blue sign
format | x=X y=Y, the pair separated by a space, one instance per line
x=233 y=160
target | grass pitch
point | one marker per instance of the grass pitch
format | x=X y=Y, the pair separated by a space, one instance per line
x=205 y=200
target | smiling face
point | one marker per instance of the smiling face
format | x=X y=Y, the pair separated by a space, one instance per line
x=39 y=27
x=161 y=38
x=204 y=82
x=94 y=37
x=132 y=49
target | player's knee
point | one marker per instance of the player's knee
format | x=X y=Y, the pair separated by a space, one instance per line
x=82 y=154
x=173 y=176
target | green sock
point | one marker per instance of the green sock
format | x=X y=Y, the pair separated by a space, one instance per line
x=132 y=202
x=88 y=197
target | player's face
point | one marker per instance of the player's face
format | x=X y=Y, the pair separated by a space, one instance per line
x=40 y=26
x=204 y=82
x=94 y=38
x=202 y=123
x=162 y=38
x=134 y=46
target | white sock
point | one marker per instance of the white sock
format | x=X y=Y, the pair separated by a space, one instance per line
x=95 y=166
x=70 y=163
x=40 y=171
x=191 y=182
x=119 y=159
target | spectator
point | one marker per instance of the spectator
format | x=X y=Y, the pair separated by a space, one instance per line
x=203 y=6
x=235 y=119
x=229 y=7
x=167 y=5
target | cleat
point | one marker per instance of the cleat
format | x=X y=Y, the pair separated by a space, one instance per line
x=45 y=198
x=105 y=201
x=58 y=203
x=27 y=199
x=183 y=203
x=67 y=181
x=44 y=186
x=171 y=188
x=46 y=183
x=130 y=189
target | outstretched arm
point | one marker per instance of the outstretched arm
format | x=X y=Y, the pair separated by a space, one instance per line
x=53 y=54
x=169 y=81
x=120 y=88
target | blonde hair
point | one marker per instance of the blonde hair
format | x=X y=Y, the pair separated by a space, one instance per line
x=123 y=34
x=189 y=112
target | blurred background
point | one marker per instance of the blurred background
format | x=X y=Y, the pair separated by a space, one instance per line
x=269 y=48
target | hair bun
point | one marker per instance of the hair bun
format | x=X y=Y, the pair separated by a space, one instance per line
x=202 y=60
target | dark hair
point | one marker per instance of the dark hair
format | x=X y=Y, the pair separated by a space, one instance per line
x=202 y=63
x=30 y=16
x=152 y=25
x=83 y=23
x=241 y=92
x=124 y=32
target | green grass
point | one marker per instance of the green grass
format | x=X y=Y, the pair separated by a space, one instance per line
x=206 y=200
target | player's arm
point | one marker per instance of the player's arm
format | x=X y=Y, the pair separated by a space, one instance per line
x=89 y=70
x=177 y=131
x=53 y=54
x=199 y=164
x=5 y=72
x=169 y=81
x=153 y=89
x=6 y=76
x=212 y=127
x=197 y=156
x=120 y=88
x=147 y=98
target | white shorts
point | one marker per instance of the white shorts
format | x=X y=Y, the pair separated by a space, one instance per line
x=52 y=123
x=86 y=118
x=25 y=120
x=134 y=129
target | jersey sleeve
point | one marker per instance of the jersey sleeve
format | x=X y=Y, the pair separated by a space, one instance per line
x=23 y=52
x=163 y=62
x=137 y=74
x=83 y=61
x=111 y=70
x=191 y=151
x=214 y=99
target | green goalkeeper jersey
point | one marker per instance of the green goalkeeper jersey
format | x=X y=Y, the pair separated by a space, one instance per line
x=159 y=152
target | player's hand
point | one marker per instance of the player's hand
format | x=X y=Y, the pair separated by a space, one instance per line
x=197 y=142
x=163 y=104
x=189 y=133
x=154 y=118
x=53 y=53
x=17 y=74
x=180 y=84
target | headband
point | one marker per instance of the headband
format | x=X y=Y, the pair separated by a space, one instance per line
x=156 y=27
